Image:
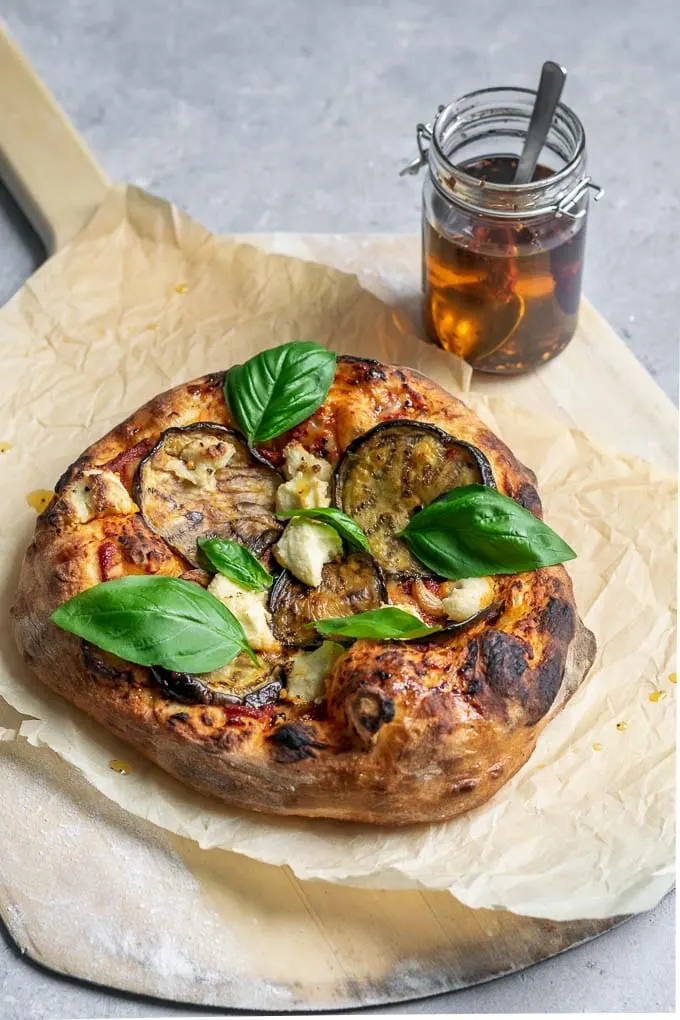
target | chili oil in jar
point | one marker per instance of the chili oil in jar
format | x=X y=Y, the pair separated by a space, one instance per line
x=502 y=263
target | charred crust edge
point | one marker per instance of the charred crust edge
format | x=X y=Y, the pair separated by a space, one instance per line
x=372 y=369
x=548 y=680
x=506 y=661
x=528 y=497
x=294 y=742
x=351 y=358
x=368 y=710
x=559 y=620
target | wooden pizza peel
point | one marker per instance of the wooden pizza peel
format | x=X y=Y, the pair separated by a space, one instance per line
x=210 y=927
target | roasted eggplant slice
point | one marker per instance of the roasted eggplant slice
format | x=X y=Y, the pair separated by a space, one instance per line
x=241 y=682
x=395 y=469
x=352 y=585
x=200 y=481
x=109 y=669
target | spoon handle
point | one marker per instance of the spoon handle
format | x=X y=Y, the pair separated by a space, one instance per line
x=550 y=88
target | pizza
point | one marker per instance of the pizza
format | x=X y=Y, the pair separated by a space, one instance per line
x=369 y=677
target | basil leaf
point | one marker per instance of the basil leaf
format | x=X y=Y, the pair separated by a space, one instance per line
x=475 y=530
x=279 y=388
x=236 y=562
x=346 y=528
x=384 y=624
x=156 y=621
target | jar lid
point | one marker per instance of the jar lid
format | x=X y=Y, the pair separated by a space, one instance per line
x=486 y=116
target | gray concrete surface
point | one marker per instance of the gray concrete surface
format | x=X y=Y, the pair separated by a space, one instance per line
x=282 y=115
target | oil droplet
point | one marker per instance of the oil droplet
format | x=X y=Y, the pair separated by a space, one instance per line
x=152 y=325
x=657 y=696
x=182 y=288
x=673 y=678
x=124 y=767
x=4 y=447
x=39 y=499
x=597 y=747
x=621 y=726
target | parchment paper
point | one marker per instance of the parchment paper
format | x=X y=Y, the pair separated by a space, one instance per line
x=144 y=299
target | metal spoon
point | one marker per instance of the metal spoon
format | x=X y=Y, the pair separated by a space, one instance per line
x=553 y=77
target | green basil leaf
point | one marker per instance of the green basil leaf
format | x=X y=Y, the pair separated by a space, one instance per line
x=156 y=621
x=384 y=624
x=236 y=562
x=279 y=388
x=475 y=530
x=347 y=529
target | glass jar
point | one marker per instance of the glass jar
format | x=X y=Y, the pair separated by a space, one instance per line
x=502 y=262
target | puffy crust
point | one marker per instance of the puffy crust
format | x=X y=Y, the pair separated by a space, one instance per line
x=408 y=732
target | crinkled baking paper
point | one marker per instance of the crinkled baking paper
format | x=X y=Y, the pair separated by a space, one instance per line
x=143 y=299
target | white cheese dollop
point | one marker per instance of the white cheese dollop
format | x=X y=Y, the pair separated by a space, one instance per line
x=305 y=547
x=307 y=678
x=308 y=480
x=467 y=597
x=195 y=461
x=98 y=493
x=250 y=609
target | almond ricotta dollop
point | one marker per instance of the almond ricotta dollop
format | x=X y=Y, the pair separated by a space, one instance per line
x=305 y=547
x=195 y=460
x=467 y=597
x=308 y=480
x=307 y=678
x=98 y=493
x=250 y=609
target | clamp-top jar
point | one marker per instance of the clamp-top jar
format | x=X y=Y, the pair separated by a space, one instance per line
x=501 y=262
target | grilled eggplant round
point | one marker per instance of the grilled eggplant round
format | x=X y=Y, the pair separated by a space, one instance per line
x=391 y=472
x=406 y=732
x=241 y=682
x=201 y=481
x=354 y=584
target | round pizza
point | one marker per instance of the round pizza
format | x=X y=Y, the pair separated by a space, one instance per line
x=310 y=586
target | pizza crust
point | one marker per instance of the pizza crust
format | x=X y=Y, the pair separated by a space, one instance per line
x=407 y=732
